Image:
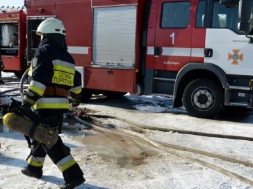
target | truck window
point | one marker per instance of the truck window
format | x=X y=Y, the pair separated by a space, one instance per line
x=9 y=38
x=175 y=15
x=225 y=17
x=222 y=17
x=200 y=14
x=251 y=20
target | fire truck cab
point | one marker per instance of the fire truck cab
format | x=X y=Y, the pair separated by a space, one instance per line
x=191 y=50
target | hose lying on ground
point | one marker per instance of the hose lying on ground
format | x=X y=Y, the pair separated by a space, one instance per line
x=166 y=147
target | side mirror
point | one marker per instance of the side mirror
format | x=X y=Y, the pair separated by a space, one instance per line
x=229 y=3
x=244 y=26
x=244 y=11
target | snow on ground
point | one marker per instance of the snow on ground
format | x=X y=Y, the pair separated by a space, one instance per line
x=117 y=162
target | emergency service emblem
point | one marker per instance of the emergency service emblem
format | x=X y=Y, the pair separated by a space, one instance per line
x=235 y=57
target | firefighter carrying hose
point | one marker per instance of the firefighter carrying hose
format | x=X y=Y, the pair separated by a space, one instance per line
x=53 y=78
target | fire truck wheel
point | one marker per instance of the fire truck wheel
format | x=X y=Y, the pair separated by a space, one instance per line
x=19 y=74
x=113 y=95
x=203 y=98
x=86 y=95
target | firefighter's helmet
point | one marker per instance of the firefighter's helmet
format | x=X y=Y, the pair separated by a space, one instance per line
x=51 y=25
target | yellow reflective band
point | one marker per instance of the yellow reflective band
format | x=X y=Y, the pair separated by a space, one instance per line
x=52 y=103
x=63 y=78
x=51 y=131
x=30 y=71
x=36 y=89
x=36 y=163
x=64 y=68
x=67 y=165
x=76 y=90
x=51 y=106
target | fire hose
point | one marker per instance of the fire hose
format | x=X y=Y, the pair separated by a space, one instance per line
x=21 y=87
x=21 y=83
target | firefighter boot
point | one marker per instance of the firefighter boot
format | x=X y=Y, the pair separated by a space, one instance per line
x=73 y=184
x=73 y=177
x=32 y=171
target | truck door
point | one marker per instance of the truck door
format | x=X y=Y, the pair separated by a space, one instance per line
x=173 y=35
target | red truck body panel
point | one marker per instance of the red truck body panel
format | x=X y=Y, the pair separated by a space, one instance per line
x=78 y=19
x=161 y=47
x=13 y=22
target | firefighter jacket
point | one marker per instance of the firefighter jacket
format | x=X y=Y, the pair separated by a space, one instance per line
x=52 y=75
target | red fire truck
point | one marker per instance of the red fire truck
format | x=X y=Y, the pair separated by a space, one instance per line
x=13 y=40
x=191 y=50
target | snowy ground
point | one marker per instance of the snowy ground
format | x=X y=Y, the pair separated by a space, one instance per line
x=121 y=163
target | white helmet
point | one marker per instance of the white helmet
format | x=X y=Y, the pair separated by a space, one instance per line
x=51 y=25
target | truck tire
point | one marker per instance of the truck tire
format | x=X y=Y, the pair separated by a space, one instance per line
x=203 y=98
x=86 y=95
x=113 y=95
x=19 y=74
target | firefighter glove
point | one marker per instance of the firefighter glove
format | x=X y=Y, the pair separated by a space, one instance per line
x=76 y=99
x=29 y=98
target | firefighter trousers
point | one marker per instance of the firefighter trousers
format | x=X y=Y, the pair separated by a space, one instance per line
x=60 y=155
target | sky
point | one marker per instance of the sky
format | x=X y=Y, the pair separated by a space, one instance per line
x=15 y=3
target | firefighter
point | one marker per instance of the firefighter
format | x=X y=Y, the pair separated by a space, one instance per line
x=53 y=78
x=1 y=69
